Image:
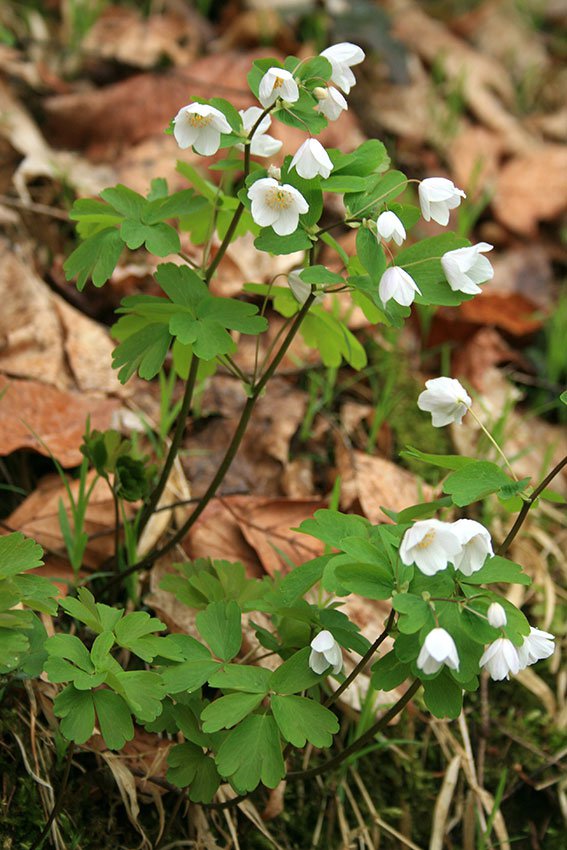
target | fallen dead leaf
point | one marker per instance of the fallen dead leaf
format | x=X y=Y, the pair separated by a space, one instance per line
x=43 y=337
x=531 y=188
x=375 y=481
x=41 y=160
x=265 y=447
x=50 y=421
x=125 y=35
x=484 y=82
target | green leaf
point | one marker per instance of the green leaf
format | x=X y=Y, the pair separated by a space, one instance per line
x=414 y=612
x=95 y=258
x=320 y=275
x=371 y=157
x=76 y=708
x=371 y=254
x=563 y=397
x=331 y=337
x=389 y=672
x=189 y=675
x=135 y=632
x=143 y=351
x=95 y=615
x=421 y=511
x=160 y=239
x=18 y=554
x=189 y=766
x=474 y=482
x=382 y=189
x=270 y=242
x=301 y=579
x=301 y=720
x=114 y=719
x=124 y=200
x=497 y=569
x=423 y=262
x=143 y=691
x=219 y=625
x=251 y=753
x=443 y=461
x=225 y=712
x=242 y=677
x=332 y=527
x=443 y=696
x=370 y=580
x=295 y=674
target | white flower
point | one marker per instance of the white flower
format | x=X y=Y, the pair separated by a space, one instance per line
x=500 y=658
x=276 y=205
x=536 y=646
x=438 y=195
x=476 y=543
x=300 y=289
x=342 y=57
x=200 y=125
x=438 y=649
x=331 y=102
x=277 y=83
x=396 y=283
x=496 y=615
x=465 y=268
x=325 y=652
x=311 y=159
x=389 y=226
x=430 y=545
x=446 y=399
x=262 y=144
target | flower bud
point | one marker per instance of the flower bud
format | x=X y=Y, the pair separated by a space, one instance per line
x=275 y=172
x=321 y=93
x=496 y=615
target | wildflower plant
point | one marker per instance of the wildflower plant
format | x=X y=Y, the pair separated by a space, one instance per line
x=236 y=721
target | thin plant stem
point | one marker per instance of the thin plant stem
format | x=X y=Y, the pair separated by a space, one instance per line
x=525 y=509
x=363 y=661
x=230 y=453
x=174 y=447
x=240 y=208
x=493 y=441
x=58 y=802
x=361 y=742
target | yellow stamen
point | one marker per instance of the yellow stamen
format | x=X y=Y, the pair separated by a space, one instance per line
x=427 y=540
x=278 y=199
x=278 y=83
x=199 y=120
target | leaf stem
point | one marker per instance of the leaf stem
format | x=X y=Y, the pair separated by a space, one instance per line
x=58 y=802
x=155 y=496
x=230 y=453
x=362 y=741
x=526 y=506
x=483 y=427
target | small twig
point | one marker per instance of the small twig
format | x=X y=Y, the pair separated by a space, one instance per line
x=59 y=801
x=525 y=509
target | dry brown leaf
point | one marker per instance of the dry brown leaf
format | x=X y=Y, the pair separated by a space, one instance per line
x=485 y=84
x=39 y=159
x=37 y=517
x=531 y=188
x=47 y=420
x=264 y=449
x=43 y=337
x=474 y=155
x=266 y=525
x=375 y=481
x=125 y=35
